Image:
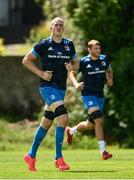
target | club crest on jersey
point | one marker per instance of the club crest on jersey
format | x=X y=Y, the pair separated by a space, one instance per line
x=59 y=53
x=103 y=63
x=67 y=48
x=97 y=69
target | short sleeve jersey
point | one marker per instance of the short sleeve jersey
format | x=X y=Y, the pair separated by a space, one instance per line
x=53 y=58
x=94 y=75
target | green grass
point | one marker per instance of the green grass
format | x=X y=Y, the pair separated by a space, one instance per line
x=85 y=164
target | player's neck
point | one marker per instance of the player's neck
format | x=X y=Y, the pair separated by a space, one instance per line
x=57 y=39
x=94 y=58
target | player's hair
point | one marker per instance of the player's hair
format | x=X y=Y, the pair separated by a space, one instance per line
x=56 y=19
x=93 y=42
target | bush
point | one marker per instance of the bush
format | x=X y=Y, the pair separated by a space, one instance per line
x=120 y=106
x=39 y=32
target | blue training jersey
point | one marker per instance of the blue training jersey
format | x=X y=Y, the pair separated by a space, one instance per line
x=53 y=57
x=94 y=75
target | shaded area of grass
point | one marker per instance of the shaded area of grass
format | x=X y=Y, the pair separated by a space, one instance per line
x=85 y=164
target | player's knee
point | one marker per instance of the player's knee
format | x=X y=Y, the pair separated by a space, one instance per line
x=60 y=110
x=90 y=126
x=49 y=115
x=94 y=115
x=46 y=123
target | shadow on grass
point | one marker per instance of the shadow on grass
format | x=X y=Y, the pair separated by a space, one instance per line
x=93 y=171
x=85 y=171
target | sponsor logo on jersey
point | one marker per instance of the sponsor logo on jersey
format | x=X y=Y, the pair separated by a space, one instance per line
x=58 y=56
x=96 y=72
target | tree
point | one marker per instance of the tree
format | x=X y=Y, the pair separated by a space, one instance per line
x=109 y=21
x=122 y=102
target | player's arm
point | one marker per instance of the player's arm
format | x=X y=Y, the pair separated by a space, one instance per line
x=73 y=67
x=72 y=73
x=28 y=62
x=109 y=76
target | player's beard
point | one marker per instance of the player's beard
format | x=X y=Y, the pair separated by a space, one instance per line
x=95 y=55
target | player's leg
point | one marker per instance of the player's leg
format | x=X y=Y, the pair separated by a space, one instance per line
x=40 y=134
x=80 y=127
x=96 y=117
x=84 y=126
x=62 y=121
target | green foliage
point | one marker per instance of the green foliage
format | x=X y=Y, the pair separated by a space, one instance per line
x=39 y=32
x=21 y=135
x=93 y=17
x=54 y=8
x=107 y=21
x=123 y=96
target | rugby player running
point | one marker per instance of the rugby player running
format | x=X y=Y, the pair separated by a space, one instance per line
x=96 y=70
x=57 y=55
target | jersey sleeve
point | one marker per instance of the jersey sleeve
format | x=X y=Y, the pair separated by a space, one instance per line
x=73 y=52
x=38 y=49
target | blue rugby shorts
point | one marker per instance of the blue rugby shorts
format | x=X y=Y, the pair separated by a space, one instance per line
x=93 y=101
x=51 y=94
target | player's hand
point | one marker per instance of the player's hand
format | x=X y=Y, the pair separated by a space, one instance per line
x=79 y=86
x=69 y=67
x=47 y=75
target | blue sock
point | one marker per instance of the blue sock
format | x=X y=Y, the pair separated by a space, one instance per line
x=38 y=138
x=59 y=141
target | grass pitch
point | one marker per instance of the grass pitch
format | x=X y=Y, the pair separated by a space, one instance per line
x=85 y=164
